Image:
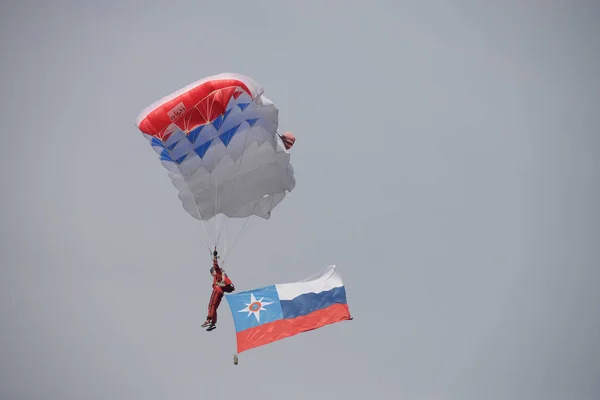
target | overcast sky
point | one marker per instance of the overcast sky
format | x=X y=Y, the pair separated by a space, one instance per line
x=446 y=160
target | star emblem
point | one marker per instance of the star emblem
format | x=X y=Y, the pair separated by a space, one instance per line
x=255 y=306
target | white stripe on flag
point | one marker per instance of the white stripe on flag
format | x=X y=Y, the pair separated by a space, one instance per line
x=328 y=280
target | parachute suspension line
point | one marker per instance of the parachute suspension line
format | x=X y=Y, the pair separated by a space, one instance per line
x=204 y=223
x=205 y=226
x=239 y=235
x=235 y=180
x=224 y=219
x=226 y=233
x=216 y=208
x=219 y=227
x=223 y=228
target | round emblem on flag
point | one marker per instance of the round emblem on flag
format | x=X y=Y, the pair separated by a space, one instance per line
x=255 y=306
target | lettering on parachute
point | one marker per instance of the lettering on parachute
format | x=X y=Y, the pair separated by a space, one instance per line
x=176 y=111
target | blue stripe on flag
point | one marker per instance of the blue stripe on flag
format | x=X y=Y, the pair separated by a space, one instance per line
x=310 y=302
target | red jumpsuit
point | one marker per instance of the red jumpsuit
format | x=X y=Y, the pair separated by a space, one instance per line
x=217 y=293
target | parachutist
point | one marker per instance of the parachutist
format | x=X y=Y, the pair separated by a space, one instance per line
x=221 y=284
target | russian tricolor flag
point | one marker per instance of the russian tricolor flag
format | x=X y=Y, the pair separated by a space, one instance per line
x=275 y=312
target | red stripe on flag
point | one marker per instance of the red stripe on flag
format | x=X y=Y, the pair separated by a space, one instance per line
x=283 y=328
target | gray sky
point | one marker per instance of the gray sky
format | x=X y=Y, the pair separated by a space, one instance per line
x=446 y=160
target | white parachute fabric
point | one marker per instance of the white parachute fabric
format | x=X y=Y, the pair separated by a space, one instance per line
x=237 y=165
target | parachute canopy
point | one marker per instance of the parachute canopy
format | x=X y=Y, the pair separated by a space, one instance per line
x=218 y=139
